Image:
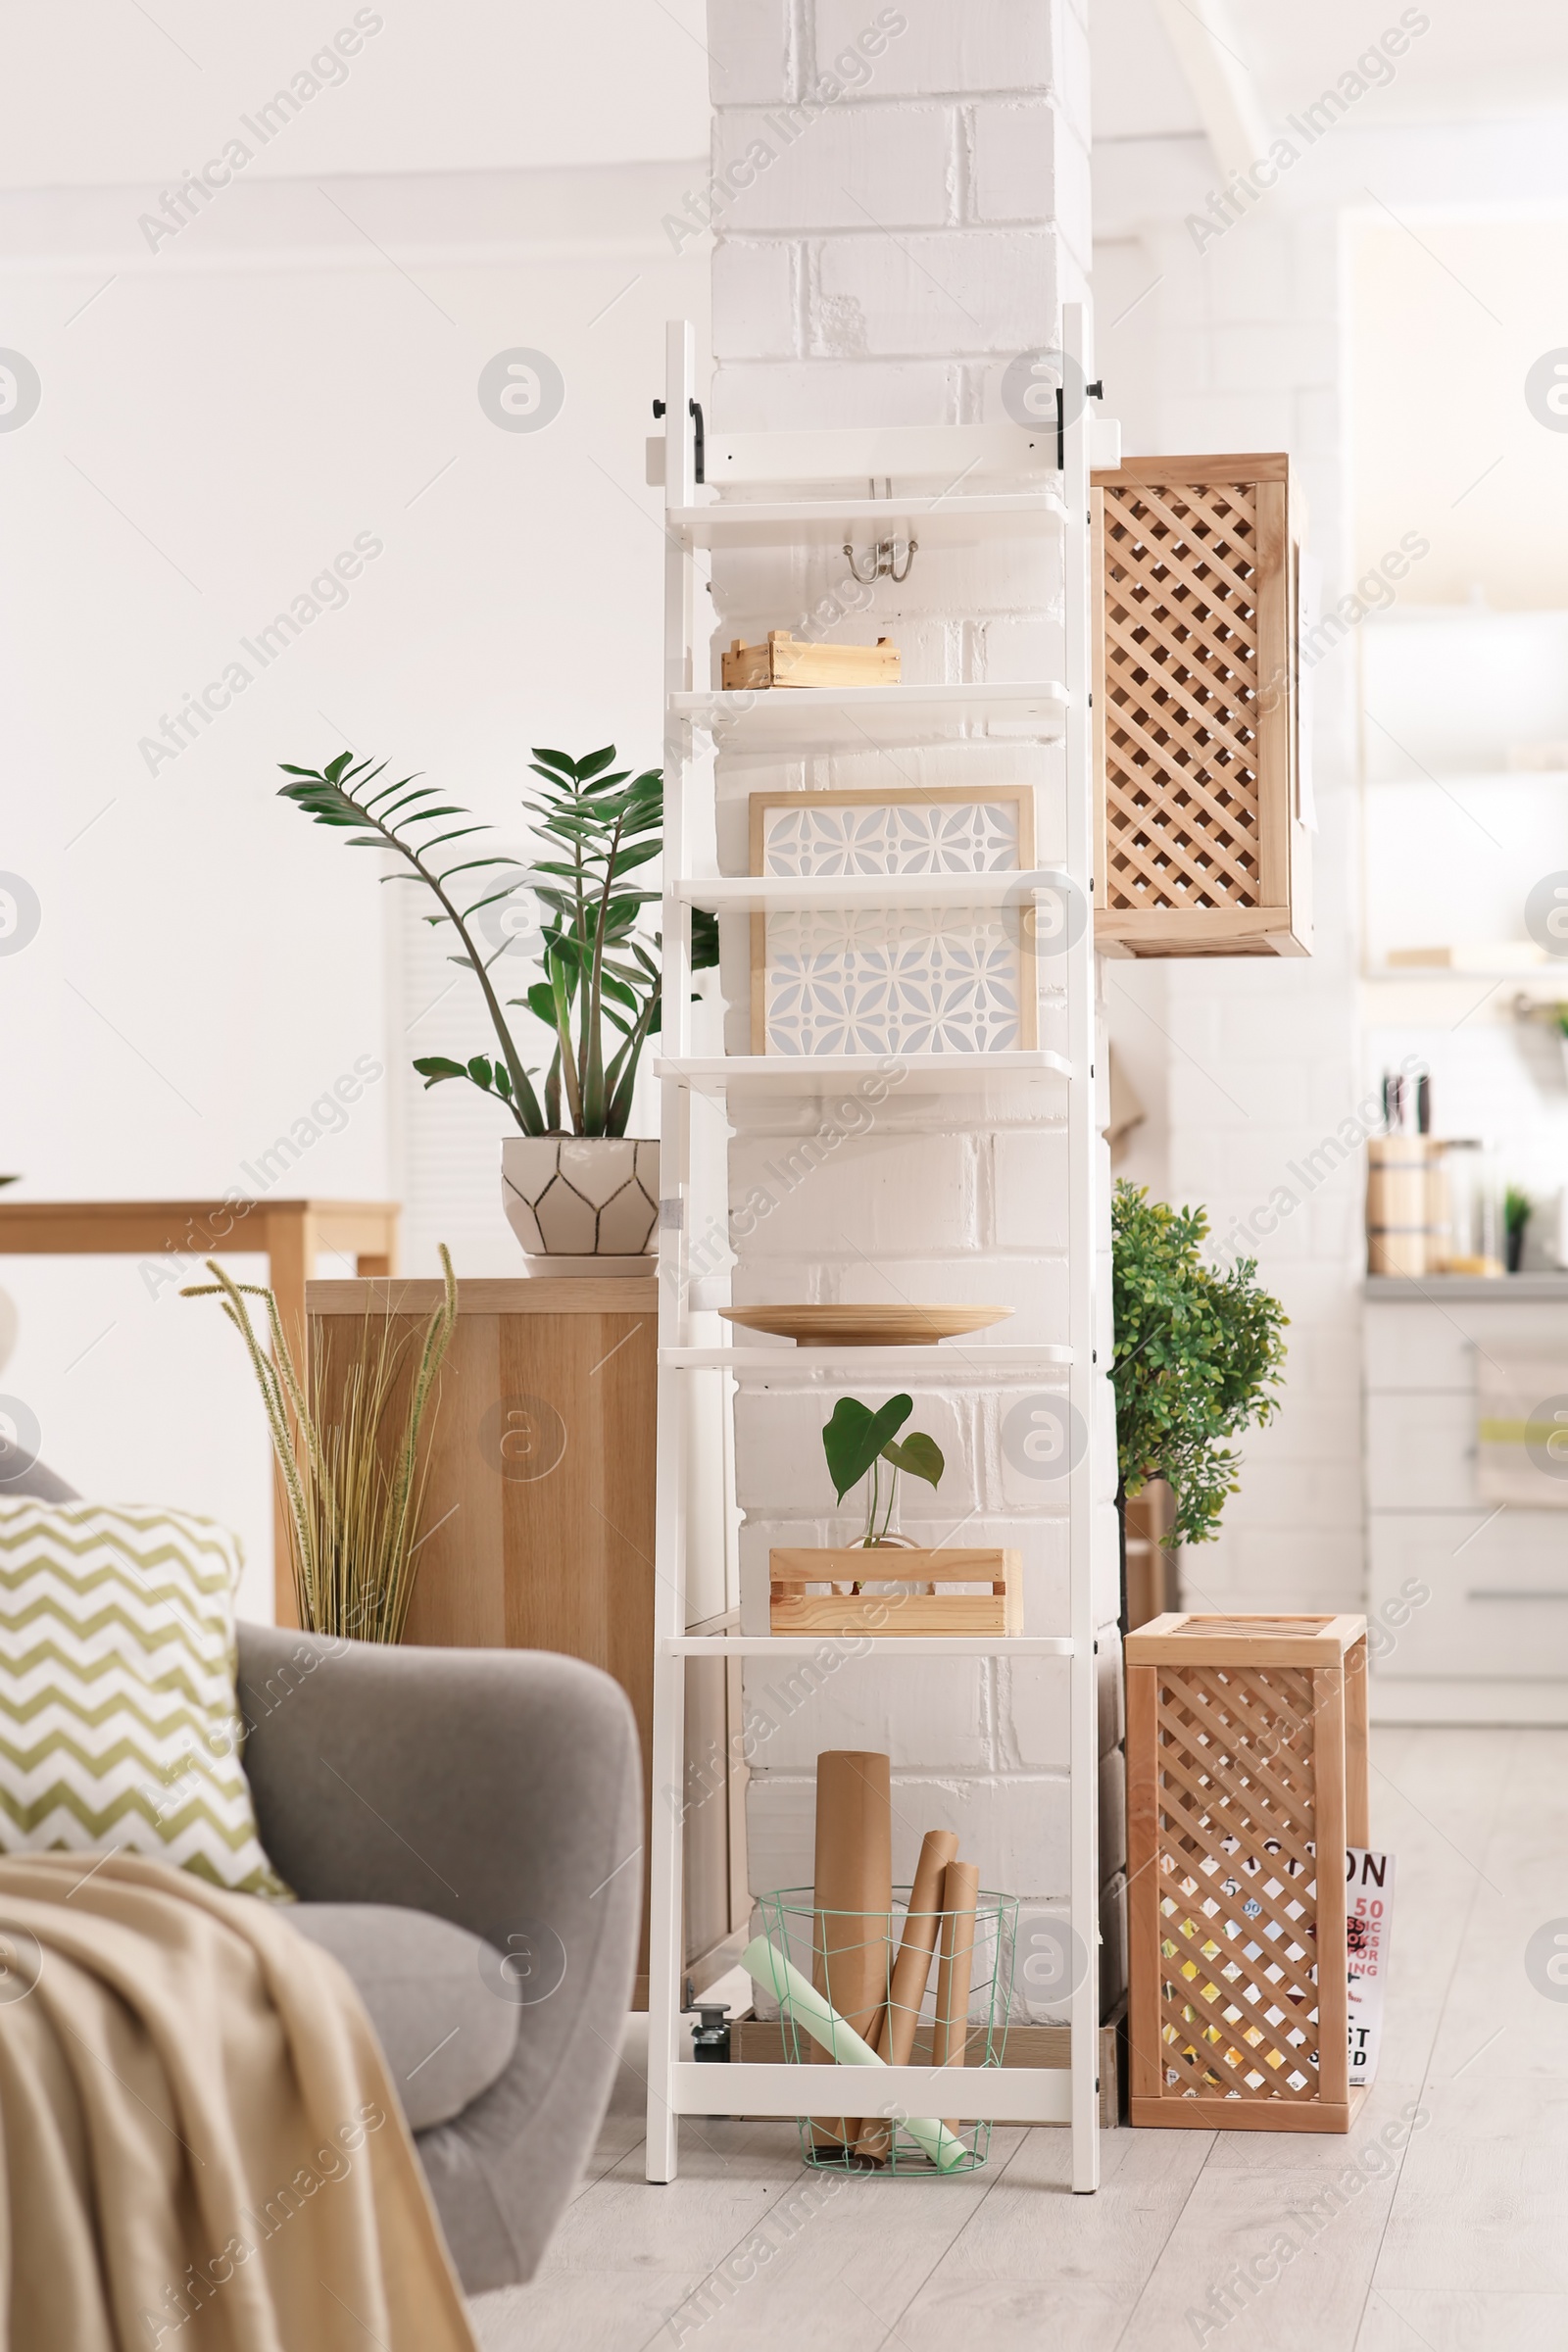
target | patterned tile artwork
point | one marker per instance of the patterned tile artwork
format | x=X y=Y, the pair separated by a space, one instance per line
x=911 y=980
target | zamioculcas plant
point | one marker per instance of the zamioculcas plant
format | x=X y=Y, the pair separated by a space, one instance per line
x=858 y=1440
x=597 y=977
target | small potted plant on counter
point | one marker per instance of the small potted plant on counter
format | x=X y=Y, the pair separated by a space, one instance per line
x=862 y=1442
x=1517 y=1210
x=574 y=1184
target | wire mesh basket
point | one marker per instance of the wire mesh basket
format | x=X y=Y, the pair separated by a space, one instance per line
x=848 y=1958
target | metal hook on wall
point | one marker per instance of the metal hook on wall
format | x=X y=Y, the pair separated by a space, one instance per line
x=884 y=554
x=884 y=562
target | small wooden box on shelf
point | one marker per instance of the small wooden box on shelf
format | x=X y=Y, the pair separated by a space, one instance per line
x=1203 y=846
x=1246 y=1769
x=785 y=660
x=918 y=1608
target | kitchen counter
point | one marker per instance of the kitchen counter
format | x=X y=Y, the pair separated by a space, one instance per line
x=1497 y=1290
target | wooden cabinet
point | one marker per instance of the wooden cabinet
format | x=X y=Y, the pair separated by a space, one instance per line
x=1205 y=845
x=539 y=1508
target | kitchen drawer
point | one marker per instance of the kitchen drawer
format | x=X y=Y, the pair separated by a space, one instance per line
x=1465 y=1594
x=1424 y=1346
x=1421 y=1451
x=1414 y=1346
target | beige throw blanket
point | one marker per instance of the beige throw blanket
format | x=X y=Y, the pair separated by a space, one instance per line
x=202 y=2151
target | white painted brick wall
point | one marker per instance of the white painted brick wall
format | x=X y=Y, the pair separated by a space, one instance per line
x=921 y=217
x=981 y=289
x=995 y=45
x=1239 y=349
x=906 y=154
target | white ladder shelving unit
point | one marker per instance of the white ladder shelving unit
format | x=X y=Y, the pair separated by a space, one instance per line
x=1056 y=509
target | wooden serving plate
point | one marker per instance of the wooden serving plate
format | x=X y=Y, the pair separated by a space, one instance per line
x=865 y=1326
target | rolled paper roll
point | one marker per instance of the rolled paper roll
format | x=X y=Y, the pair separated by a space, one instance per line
x=912 y=1971
x=772 y=1969
x=853 y=1892
x=961 y=1892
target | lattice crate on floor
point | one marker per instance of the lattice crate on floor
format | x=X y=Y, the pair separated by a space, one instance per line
x=1247 y=1760
x=1202 y=849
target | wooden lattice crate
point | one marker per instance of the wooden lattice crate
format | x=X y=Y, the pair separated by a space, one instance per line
x=1245 y=1762
x=916 y=1604
x=1202 y=849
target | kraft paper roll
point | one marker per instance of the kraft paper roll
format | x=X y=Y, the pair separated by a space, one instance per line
x=853 y=1892
x=961 y=1892
x=768 y=1967
x=912 y=1970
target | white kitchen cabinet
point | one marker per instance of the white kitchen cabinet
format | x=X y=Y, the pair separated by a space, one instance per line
x=1469 y=1599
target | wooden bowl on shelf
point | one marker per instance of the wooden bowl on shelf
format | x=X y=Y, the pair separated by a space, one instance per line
x=865 y=1326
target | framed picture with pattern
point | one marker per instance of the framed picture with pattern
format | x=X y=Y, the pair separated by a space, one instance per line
x=943 y=978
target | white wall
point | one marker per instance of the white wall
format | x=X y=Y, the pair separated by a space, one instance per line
x=217 y=424
x=101 y=95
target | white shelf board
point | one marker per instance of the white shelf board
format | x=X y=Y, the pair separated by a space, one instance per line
x=886 y=1646
x=828 y=522
x=922 y=1073
x=1002 y=2094
x=869 y=718
x=939 y=454
x=756 y=894
x=947 y=1360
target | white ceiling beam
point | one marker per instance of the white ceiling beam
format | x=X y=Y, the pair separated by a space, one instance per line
x=1203 y=36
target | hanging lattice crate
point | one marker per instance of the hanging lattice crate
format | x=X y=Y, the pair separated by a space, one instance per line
x=1246 y=1761
x=1202 y=849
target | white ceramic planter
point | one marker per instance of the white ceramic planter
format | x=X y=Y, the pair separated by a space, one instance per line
x=577 y=1196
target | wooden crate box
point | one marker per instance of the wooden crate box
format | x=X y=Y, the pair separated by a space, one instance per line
x=786 y=661
x=917 y=1606
x=1245 y=1770
x=1201 y=845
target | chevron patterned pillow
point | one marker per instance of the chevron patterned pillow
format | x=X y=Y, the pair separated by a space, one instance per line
x=119 y=1726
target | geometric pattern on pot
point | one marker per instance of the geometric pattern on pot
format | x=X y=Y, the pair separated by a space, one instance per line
x=906 y=980
x=923 y=980
x=580 y=1196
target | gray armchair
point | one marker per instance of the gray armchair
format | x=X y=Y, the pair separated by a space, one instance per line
x=464 y=1829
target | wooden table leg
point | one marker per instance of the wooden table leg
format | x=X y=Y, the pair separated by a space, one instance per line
x=291 y=1261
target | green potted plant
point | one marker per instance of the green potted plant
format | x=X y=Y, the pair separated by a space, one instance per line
x=858 y=1441
x=573 y=1183
x=862 y=1443
x=1558 y=1015
x=1517 y=1207
x=1198 y=1354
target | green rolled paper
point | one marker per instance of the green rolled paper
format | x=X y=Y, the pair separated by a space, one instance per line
x=767 y=1966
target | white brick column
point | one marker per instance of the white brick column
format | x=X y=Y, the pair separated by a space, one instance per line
x=899 y=200
x=1239 y=348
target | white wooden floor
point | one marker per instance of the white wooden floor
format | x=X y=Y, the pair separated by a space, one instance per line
x=1461 y=2246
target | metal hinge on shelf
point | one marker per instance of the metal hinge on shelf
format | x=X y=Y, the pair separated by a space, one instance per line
x=694 y=408
x=1094 y=391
